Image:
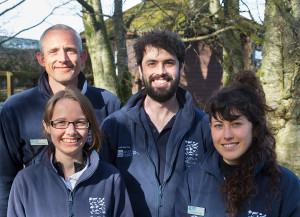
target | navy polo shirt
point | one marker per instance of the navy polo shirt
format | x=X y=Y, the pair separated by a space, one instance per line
x=161 y=140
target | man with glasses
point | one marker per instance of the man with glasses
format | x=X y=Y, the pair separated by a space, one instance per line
x=21 y=116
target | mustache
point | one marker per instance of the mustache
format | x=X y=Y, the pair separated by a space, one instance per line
x=164 y=76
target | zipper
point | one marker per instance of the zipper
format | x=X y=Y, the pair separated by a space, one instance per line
x=159 y=198
x=70 y=203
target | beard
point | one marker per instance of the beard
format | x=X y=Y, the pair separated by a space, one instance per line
x=161 y=94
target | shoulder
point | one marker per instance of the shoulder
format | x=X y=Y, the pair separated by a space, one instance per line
x=30 y=174
x=105 y=94
x=199 y=115
x=21 y=98
x=289 y=179
x=118 y=117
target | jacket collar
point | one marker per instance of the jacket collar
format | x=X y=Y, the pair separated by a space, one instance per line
x=132 y=108
x=91 y=167
x=211 y=164
x=44 y=86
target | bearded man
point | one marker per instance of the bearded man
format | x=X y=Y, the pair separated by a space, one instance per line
x=158 y=133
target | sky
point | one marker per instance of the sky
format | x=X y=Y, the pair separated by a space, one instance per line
x=32 y=12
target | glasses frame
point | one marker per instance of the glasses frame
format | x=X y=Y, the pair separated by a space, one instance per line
x=69 y=122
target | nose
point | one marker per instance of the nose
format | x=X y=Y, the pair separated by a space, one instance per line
x=63 y=56
x=227 y=133
x=71 y=130
x=161 y=69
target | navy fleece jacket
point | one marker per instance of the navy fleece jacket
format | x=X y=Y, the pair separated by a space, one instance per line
x=129 y=145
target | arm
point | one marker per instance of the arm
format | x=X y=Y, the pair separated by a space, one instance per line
x=290 y=190
x=15 y=203
x=108 y=150
x=10 y=158
x=122 y=206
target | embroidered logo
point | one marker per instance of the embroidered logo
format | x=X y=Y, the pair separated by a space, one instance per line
x=191 y=152
x=126 y=151
x=255 y=214
x=97 y=206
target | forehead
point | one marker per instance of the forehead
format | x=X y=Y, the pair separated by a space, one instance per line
x=154 y=53
x=62 y=37
x=66 y=107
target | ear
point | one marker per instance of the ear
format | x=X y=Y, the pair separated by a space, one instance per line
x=140 y=71
x=46 y=126
x=210 y=125
x=83 y=57
x=40 y=58
x=182 y=67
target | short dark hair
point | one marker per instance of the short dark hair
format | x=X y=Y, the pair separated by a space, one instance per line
x=87 y=108
x=169 y=41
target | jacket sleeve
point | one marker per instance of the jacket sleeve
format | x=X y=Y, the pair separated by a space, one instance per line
x=290 y=189
x=108 y=150
x=122 y=206
x=207 y=139
x=15 y=203
x=10 y=158
x=182 y=198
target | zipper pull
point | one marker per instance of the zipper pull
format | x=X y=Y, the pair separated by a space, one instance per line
x=160 y=196
x=70 y=203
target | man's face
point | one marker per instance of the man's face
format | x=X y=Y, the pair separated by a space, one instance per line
x=160 y=72
x=61 y=58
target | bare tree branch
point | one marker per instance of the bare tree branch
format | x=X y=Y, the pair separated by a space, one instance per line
x=3 y=2
x=132 y=17
x=16 y=5
x=88 y=7
x=199 y=38
x=160 y=8
x=249 y=11
x=31 y=27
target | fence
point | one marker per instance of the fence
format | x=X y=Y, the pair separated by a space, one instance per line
x=10 y=76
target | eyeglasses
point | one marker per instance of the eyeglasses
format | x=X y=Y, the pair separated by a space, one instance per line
x=65 y=124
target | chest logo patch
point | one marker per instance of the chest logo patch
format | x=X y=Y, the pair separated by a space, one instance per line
x=97 y=206
x=125 y=151
x=255 y=214
x=191 y=152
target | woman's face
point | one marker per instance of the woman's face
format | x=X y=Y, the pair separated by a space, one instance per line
x=70 y=141
x=231 y=138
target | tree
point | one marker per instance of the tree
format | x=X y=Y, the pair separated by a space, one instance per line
x=280 y=67
x=124 y=76
x=99 y=46
x=280 y=76
x=230 y=39
x=30 y=27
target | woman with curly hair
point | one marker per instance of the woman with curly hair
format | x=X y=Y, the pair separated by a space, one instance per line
x=240 y=177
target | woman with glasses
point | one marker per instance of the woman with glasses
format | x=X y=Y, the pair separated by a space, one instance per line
x=241 y=177
x=70 y=179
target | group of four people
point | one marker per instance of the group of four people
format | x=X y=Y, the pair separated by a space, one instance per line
x=172 y=159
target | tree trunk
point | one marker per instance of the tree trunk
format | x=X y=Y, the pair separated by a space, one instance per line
x=280 y=77
x=99 y=46
x=231 y=39
x=124 y=76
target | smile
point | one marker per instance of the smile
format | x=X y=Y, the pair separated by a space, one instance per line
x=70 y=140
x=160 y=81
x=230 y=146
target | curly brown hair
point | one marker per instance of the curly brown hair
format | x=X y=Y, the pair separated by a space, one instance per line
x=246 y=97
